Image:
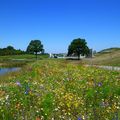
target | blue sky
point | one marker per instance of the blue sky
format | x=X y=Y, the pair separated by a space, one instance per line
x=57 y=22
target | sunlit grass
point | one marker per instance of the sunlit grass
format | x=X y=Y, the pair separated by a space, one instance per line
x=111 y=58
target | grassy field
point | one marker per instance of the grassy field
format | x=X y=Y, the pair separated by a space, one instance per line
x=60 y=90
x=22 y=57
x=107 y=57
x=19 y=60
x=110 y=57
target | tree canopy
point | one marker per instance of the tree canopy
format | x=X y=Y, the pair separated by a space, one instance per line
x=78 y=47
x=34 y=47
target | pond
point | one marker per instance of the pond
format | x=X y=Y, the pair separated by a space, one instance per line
x=7 y=70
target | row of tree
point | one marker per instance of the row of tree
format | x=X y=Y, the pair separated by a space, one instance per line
x=77 y=47
x=34 y=47
x=10 y=50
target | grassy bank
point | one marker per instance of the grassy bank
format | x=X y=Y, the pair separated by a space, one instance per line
x=108 y=57
x=59 y=90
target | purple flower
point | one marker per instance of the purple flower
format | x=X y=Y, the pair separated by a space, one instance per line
x=99 y=84
x=79 y=119
x=18 y=84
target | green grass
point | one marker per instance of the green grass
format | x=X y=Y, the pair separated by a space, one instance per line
x=22 y=57
x=19 y=60
x=60 y=90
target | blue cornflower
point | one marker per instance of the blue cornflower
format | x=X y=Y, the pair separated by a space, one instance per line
x=27 y=90
x=79 y=118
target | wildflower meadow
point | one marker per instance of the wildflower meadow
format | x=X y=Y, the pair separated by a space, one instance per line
x=60 y=90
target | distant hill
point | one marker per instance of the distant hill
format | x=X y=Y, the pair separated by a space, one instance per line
x=110 y=56
x=109 y=50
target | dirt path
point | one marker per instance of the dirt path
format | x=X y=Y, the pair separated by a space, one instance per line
x=106 y=67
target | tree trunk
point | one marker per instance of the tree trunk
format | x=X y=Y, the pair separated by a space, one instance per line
x=78 y=56
x=36 y=55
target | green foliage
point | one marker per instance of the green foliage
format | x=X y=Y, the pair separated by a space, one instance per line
x=78 y=47
x=47 y=105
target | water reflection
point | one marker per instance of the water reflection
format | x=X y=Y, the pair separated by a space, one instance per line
x=6 y=70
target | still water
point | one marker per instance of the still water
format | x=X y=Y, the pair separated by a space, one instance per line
x=7 y=70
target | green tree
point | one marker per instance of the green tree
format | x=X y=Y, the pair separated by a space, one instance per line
x=10 y=48
x=34 y=47
x=78 y=47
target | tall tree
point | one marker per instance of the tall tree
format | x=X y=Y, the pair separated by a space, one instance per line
x=78 y=47
x=35 y=46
